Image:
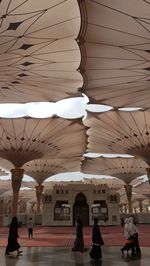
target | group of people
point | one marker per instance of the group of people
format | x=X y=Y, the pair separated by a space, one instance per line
x=13 y=247
x=131 y=237
x=97 y=240
x=130 y=233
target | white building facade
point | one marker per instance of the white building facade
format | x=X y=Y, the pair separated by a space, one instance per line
x=63 y=203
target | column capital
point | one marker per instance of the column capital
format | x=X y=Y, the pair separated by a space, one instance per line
x=39 y=189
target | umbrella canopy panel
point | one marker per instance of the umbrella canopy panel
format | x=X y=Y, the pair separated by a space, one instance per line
x=135 y=197
x=26 y=139
x=125 y=169
x=144 y=188
x=38 y=50
x=116 y=48
x=119 y=132
x=41 y=169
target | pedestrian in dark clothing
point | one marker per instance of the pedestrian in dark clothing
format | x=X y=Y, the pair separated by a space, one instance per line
x=122 y=221
x=13 y=245
x=79 y=242
x=30 y=228
x=97 y=241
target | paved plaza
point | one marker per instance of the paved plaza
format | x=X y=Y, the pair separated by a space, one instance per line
x=61 y=256
x=52 y=246
x=64 y=236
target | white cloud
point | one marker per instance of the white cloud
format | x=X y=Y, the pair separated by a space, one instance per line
x=13 y=110
x=114 y=155
x=68 y=108
x=40 y=109
x=98 y=107
x=76 y=176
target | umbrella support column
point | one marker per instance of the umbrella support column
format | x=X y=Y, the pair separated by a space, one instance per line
x=39 y=191
x=17 y=175
x=128 y=189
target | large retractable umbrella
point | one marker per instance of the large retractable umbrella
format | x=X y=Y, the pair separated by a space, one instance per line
x=41 y=169
x=116 y=52
x=26 y=139
x=38 y=50
x=126 y=169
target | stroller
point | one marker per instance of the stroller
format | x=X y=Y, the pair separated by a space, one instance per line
x=128 y=245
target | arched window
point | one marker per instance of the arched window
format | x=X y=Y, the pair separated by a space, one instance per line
x=62 y=210
x=115 y=197
x=111 y=198
x=81 y=208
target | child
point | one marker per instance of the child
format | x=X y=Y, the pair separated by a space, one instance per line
x=30 y=228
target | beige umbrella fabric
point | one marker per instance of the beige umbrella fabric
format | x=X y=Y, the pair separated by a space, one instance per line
x=126 y=169
x=119 y=132
x=38 y=49
x=116 y=51
x=26 y=139
x=135 y=197
x=41 y=169
x=144 y=189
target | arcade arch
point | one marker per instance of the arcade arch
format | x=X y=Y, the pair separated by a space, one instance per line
x=81 y=208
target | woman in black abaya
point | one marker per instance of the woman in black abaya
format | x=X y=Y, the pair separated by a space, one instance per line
x=79 y=242
x=97 y=241
x=13 y=244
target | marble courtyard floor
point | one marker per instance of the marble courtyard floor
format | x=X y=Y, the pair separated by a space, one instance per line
x=60 y=256
x=52 y=246
x=64 y=236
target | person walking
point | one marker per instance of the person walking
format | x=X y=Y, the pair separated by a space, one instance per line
x=122 y=221
x=97 y=241
x=134 y=233
x=13 y=246
x=30 y=228
x=128 y=242
x=79 y=242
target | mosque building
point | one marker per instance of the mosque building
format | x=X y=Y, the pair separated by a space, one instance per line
x=63 y=203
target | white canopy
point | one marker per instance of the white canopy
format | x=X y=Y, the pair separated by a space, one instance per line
x=26 y=139
x=117 y=52
x=119 y=132
x=41 y=169
x=125 y=169
x=38 y=50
